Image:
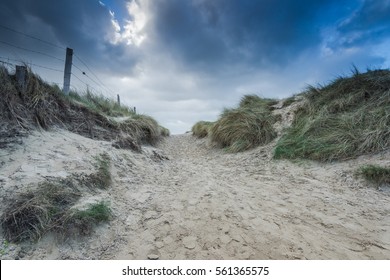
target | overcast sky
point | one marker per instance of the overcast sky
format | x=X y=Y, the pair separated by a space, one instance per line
x=182 y=61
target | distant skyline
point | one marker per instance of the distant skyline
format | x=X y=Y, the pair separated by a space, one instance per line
x=182 y=61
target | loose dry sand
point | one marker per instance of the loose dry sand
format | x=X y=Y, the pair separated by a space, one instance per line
x=203 y=203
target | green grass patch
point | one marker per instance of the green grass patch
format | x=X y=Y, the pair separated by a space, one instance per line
x=342 y=120
x=83 y=221
x=201 y=129
x=376 y=174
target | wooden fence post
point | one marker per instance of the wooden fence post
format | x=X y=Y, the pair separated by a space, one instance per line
x=21 y=77
x=68 y=70
x=119 y=99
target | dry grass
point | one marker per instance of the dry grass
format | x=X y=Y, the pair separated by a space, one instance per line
x=376 y=174
x=49 y=206
x=202 y=129
x=248 y=126
x=89 y=115
x=30 y=215
x=342 y=120
x=101 y=178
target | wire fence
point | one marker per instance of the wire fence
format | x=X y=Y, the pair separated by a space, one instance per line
x=12 y=54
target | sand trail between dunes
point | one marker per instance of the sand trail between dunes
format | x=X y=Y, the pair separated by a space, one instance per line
x=204 y=203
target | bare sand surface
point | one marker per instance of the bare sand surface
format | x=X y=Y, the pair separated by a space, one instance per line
x=187 y=200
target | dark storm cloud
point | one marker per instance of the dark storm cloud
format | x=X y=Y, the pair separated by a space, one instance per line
x=369 y=24
x=82 y=25
x=259 y=32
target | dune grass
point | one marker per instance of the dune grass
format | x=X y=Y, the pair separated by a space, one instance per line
x=101 y=178
x=376 y=174
x=201 y=129
x=83 y=221
x=288 y=101
x=342 y=120
x=30 y=215
x=101 y=104
x=90 y=115
x=49 y=206
x=245 y=127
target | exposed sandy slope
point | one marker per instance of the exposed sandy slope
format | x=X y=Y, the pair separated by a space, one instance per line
x=205 y=204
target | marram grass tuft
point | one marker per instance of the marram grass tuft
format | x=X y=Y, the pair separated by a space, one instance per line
x=342 y=120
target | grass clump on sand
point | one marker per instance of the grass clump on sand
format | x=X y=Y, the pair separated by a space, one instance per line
x=202 y=129
x=83 y=221
x=143 y=128
x=32 y=214
x=100 y=179
x=164 y=131
x=50 y=208
x=376 y=174
x=342 y=120
x=248 y=126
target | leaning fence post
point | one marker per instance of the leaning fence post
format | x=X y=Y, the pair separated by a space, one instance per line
x=119 y=99
x=21 y=77
x=68 y=70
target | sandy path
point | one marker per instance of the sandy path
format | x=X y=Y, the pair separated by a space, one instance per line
x=203 y=203
x=206 y=204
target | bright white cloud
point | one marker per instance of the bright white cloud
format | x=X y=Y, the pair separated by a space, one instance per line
x=132 y=32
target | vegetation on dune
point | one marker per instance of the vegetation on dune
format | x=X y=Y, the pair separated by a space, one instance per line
x=288 y=101
x=101 y=104
x=248 y=126
x=50 y=206
x=201 y=129
x=164 y=131
x=83 y=221
x=30 y=215
x=90 y=115
x=101 y=178
x=345 y=119
x=376 y=174
x=253 y=100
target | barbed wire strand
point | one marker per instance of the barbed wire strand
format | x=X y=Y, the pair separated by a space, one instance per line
x=38 y=52
x=99 y=83
x=102 y=84
x=30 y=63
x=4 y=62
x=86 y=84
x=32 y=37
x=103 y=89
